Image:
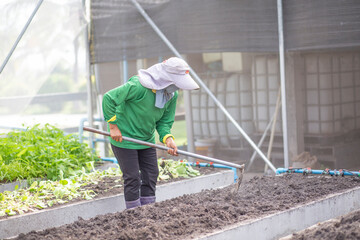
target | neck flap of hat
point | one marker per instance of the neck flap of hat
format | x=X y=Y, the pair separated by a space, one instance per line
x=161 y=75
x=164 y=95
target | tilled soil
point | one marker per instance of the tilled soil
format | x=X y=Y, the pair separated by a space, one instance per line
x=346 y=227
x=110 y=186
x=193 y=215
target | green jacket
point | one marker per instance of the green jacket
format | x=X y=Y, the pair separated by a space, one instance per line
x=132 y=108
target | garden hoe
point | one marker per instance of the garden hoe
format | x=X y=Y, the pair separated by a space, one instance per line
x=239 y=168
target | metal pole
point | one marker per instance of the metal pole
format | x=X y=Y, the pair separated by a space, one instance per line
x=273 y=119
x=278 y=103
x=20 y=35
x=102 y=146
x=260 y=142
x=209 y=159
x=125 y=70
x=89 y=84
x=188 y=120
x=282 y=80
x=173 y=49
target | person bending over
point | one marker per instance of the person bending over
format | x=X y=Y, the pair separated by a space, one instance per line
x=146 y=103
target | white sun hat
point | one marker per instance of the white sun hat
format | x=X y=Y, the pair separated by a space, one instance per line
x=172 y=71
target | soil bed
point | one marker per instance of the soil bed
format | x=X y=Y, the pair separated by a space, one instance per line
x=346 y=227
x=193 y=215
x=110 y=186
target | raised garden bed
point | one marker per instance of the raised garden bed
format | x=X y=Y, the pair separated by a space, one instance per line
x=205 y=215
x=109 y=200
x=11 y=186
x=46 y=194
x=107 y=183
x=345 y=227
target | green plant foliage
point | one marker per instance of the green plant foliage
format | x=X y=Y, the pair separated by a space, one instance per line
x=44 y=194
x=42 y=152
x=169 y=168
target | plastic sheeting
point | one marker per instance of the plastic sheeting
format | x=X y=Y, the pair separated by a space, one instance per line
x=49 y=61
x=321 y=24
x=120 y=32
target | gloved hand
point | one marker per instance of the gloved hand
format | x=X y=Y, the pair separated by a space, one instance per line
x=170 y=143
x=115 y=132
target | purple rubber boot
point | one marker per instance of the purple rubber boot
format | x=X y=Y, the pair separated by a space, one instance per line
x=133 y=204
x=147 y=200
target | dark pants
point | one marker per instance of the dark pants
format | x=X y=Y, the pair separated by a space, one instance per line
x=140 y=171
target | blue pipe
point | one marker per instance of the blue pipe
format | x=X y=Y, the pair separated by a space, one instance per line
x=81 y=129
x=125 y=71
x=340 y=172
x=113 y=160
x=192 y=164
x=213 y=165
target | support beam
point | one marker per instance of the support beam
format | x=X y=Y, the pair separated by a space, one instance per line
x=189 y=121
x=282 y=80
x=260 y=143
x=89 y=84
x=202 y=84
x=295 y=80
x=125 y=71
x=102 y=146
x=20 y=35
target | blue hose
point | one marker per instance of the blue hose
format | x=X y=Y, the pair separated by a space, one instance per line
x=192 y=164
x=213 y=165
x=113 y=160
x=305 y=171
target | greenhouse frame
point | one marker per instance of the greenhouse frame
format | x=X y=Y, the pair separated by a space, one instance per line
x=243 y=52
